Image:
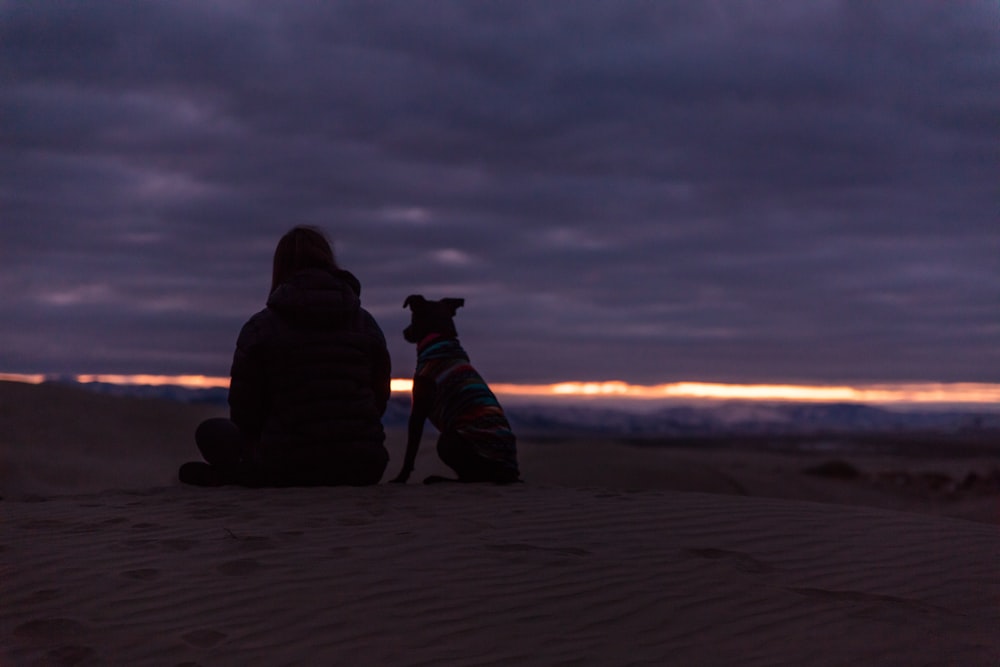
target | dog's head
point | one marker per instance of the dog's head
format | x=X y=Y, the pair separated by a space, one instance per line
x=430 y=317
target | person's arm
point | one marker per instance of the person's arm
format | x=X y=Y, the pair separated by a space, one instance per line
x=381 y=364
x=423 y=399
x=246 y=386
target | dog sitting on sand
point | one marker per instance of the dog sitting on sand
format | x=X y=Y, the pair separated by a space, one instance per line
x=476 y=440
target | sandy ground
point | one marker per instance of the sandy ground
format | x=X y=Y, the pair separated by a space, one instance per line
x=608 y=555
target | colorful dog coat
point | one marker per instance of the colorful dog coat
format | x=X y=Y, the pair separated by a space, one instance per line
x=463 y=403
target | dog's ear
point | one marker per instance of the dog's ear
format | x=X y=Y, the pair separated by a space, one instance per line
x=453 y=304
x=414 y=299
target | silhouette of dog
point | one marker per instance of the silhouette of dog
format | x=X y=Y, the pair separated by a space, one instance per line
x=476 y=440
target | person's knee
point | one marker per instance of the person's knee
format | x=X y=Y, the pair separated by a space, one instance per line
x=214 y=430
x=218 y=439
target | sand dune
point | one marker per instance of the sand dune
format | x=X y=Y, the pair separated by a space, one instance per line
x=484 y=576
x=607 y=556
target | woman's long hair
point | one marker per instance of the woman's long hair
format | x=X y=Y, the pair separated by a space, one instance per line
x=303 y=247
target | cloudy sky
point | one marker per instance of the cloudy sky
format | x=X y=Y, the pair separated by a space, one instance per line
x=794 y=191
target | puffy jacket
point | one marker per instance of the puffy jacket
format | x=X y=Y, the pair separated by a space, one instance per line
x=310 y=376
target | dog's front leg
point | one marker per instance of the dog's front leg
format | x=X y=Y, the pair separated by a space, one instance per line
x=423 y=399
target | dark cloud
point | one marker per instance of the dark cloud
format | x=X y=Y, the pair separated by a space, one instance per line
x=647 y=191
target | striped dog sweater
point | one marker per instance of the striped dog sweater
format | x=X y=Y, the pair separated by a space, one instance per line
x=464 y=404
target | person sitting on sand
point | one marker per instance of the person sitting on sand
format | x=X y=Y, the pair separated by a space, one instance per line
x=309 y=382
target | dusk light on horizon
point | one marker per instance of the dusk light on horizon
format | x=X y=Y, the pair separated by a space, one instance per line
x=914 y=394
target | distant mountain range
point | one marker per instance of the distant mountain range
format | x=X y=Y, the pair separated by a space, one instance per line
x=751 y=420
x=706 y=420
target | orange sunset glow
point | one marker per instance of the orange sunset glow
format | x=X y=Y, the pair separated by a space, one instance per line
x=909 y=393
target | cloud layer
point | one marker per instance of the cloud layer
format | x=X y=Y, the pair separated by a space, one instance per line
x=718 y=191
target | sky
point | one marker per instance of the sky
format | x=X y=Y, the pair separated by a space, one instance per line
x=649 y=192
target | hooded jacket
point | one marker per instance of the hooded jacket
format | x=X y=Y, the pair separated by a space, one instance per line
x=310 y=375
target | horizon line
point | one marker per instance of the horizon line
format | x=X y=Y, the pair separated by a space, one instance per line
x=884 y=393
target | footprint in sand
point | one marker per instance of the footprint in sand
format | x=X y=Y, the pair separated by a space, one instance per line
x=472 y=526
x=142 y=574
x=42 y=524
x=132 y=545
x=49 y=628
x=72 y=655
x=373 y=507
x=203 y=638
x=869 y=598
x=256 y=543
x=355 y=520
x=741 y=561
x=240 y=567
x=41 y=595
x=144 y=526
x=570 y=551
x=251 y=542
x=179 y=544
x=113 y=521
x=200 y=512
x=317 y=522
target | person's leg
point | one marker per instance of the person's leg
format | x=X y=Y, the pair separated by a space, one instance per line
x=340 y=464
x=220 y=442
x=221 y=446
x=351 y=464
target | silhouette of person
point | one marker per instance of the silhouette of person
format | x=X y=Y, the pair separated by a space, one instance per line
x=309 y=382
